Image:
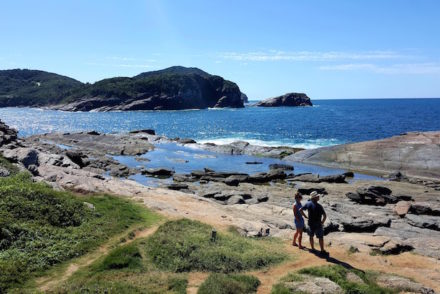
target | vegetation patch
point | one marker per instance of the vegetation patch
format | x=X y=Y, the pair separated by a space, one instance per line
x=185 y=245
x=364 y=282
x=124 y=270
x=41 y=227
x=7 y=165
x=229 y=283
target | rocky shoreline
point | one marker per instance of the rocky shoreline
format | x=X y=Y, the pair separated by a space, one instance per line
x=385 y=217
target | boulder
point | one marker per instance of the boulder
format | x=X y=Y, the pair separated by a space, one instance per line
x=372 y=195
x=313 y=285
x=349 y=174
x=312 y=178
x=161 y=172
x=425 y=208
x=187 y=141
x=333 y=179
x=76 y=157
x=236 y=199
x=402 y=284
x=402 y=208
x=289 y=99
x=26 y=156
x=178 y=186
x=424 y=221
x=262 y=198
x=144 y=131
x=281 y=166
x=7 y=135
x=232 y=181
x=4 y=172
x=276 y=174
x=93 y=133
x=364 y=225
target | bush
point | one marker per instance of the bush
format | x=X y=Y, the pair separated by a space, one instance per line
x=231 y=283
x=185 y=245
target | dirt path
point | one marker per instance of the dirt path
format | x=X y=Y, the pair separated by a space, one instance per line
x=50 y=282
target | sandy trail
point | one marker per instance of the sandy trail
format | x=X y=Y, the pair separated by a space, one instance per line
x=50 y=282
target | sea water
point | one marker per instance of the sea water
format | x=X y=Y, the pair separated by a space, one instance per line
x=328 y=122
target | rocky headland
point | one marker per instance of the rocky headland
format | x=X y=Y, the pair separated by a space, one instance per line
x=289 y=100
x=173 y=88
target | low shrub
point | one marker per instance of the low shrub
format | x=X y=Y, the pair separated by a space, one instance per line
x=229 y=283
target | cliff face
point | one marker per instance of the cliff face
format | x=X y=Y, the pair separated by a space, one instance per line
x=174 y=88
x=289 y=99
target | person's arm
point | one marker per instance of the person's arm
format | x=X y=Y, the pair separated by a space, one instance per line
x=324 y=216
x=301 y=210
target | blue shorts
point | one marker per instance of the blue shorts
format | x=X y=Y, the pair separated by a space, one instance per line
x=316 y=230
x=299 y=224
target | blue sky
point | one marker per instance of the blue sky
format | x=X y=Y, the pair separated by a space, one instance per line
x=327 y=49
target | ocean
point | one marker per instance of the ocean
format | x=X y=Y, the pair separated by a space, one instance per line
x=328 y=122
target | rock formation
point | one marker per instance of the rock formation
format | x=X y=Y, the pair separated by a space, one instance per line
x=289 y=99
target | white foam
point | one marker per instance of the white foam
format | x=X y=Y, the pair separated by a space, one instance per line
x=308 y=144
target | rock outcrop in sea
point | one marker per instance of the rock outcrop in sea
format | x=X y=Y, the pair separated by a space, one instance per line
x=289 y=99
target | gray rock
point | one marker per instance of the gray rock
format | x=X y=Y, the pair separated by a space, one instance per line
x=33 y=169
x=89 y=205
x=402 y=284
x=313 y=285
x=26 y=156
x=312 y=178
x=289 y=99
x=161 y=172
x=254 y=162
x=281 y=166
x=365 y=225
x=424 y=221
x=144 y=131
x=4 y=172
x=232 y=181
x=425 y=208
x=262 y=198
x=333 y=179
x=236 y=199
x=76 y=157
x=187 y=141
x=177 y=186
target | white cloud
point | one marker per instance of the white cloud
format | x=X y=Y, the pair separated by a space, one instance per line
x=276 y=55
x=403 y=68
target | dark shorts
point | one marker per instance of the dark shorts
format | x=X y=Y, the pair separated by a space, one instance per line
x=316 y=230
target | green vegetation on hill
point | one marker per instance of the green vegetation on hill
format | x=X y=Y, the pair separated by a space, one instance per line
x=41 y=227
x=230 y=283
x=171 y=88
x=23 y=87
x=185 y=245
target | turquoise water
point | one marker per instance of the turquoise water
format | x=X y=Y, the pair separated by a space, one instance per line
x=329 y=122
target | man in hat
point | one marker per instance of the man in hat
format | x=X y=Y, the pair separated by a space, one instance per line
x=316 y=218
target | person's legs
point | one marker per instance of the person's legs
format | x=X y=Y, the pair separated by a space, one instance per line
x=300 y=236
x=294 y=238
x=321 y=244
x=311 y=232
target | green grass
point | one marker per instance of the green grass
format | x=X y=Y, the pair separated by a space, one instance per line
x=185 y=245
x=41 y=227
x=229 y=283
x=124 y=270
x=337 y=274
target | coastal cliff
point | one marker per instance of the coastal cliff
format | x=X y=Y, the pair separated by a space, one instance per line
x=173 y=88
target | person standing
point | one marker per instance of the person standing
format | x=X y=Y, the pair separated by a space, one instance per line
x=299 y=221
x=316 y=219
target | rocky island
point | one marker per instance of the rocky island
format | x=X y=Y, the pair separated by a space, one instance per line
x=289 y=99
x=173 y=88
